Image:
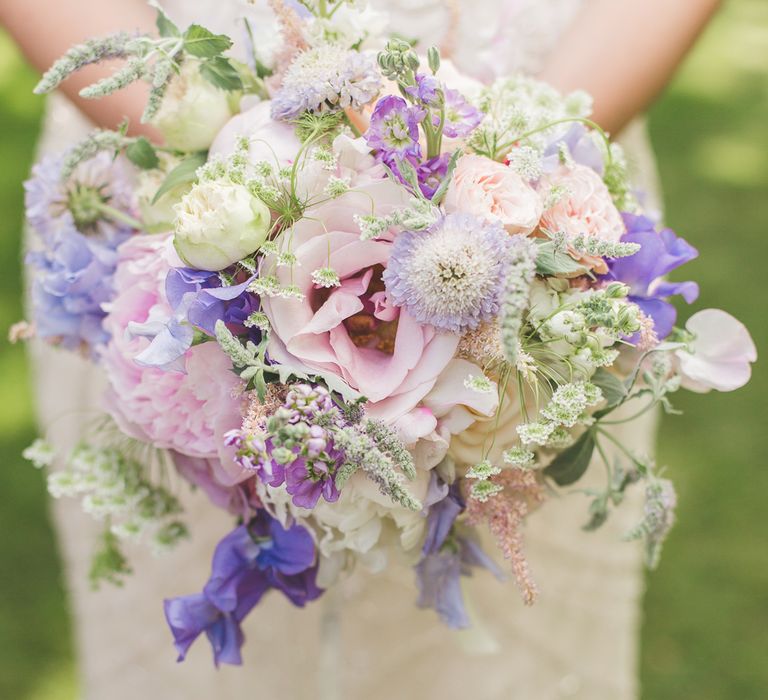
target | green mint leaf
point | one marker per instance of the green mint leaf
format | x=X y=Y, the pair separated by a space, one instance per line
x=165 y=26
x=142 y=154
x=569 y=466
x=221 y=73
x=184 y=172
x=199 y=42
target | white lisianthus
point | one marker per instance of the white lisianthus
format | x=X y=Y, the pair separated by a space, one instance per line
x=352 y=24
x=193 y=110
x=219 y=223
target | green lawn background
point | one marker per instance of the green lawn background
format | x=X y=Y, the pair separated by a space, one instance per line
x=705 y=633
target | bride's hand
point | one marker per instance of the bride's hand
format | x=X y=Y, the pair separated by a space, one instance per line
x=46 y=29
x=624 y=52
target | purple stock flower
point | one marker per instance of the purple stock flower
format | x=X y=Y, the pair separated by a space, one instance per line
x=75 y=255
x=660 y=253
x=295 y=449
x=461 y=117
x=445 y=558
x=394 y=128
x=426 y=90
x=248 y=562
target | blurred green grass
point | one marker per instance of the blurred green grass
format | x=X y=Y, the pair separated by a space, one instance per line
x=705 y=632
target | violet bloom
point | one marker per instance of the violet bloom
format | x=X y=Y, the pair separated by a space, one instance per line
x=445 y=558
x=394 y=128
x=247 y=563
x=308 y=478
x=198 y=300
x=660 y=253
x=426 y=90
x=581 y=146
x=461 y=117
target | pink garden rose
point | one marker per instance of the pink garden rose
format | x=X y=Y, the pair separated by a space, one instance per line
x=186 y=412
x=494 y=192
x=721 y=353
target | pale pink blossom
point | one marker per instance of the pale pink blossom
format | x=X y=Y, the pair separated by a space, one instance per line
x=272 y=141
x=186 y=412
x=493 y=192
x=720 y=355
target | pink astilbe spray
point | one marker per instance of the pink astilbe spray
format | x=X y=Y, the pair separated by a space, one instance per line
x=505 y=514
x=293 y=40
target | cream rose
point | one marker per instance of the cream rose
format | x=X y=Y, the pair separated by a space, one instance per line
x=219 y=223
x=494 y=192
x=193 y=110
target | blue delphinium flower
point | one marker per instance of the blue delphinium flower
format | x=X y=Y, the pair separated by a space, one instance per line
x=449 y=276
x=247 y=563
x=660 y=253
x=78 y=225
x=446 y=557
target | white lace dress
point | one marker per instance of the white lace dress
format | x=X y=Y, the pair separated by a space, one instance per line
x=366 y=639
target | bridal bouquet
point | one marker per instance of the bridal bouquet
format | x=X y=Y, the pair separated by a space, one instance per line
x=369 y=305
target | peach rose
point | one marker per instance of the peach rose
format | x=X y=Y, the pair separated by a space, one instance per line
x=585 y=207
x=494 y=192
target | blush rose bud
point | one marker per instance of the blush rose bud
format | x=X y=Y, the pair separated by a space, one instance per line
x=193 y=110
x=219 y=223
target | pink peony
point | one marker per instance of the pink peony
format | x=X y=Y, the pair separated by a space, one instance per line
x=186 y=412
x=352 y=331
x=721 y=353
x=274 y=142
x=493 y=192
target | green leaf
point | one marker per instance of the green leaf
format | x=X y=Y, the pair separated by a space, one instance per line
x=199 y=42
x=612 y=387
x=569 y=466
x=441 y=191
x=184 y=172
x=551 y=261
x=142 y=154
x=165 y=26
x=221 y=73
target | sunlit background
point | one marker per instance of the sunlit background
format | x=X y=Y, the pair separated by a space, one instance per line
x=705 y=634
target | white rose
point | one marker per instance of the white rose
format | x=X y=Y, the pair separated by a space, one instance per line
x=219 y=223
x=193 y=110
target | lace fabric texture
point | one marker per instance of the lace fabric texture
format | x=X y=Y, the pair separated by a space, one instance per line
x=367 y=639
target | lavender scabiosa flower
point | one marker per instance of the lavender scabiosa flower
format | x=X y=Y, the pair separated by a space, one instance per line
x=79 y=224
x=394 y=128
x=324 y=78
x=451 y=275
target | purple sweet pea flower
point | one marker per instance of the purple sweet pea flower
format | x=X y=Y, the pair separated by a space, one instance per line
x=581 y=146
x=198 y=300
x=445 y=559
x=248 y=562
x=660 y=253
x=394 y=128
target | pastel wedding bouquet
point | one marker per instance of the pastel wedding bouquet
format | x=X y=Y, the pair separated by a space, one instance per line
x=370 y=306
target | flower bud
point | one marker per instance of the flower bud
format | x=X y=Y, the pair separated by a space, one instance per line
x=193 y=110
x=219 y=223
